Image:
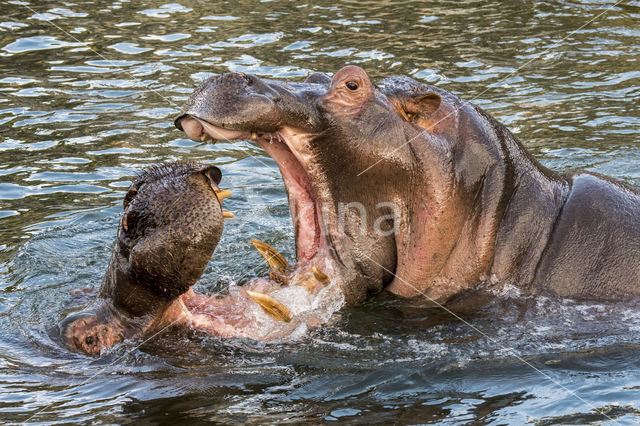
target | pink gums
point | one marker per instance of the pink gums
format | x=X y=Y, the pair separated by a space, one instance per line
x=302 y=201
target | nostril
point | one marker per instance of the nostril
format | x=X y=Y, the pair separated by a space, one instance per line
x=232 y=79
x=89 y=340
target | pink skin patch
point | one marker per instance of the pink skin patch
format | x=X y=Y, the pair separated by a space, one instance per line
x=302 y=203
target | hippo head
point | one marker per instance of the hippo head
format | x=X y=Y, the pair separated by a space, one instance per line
x=171 y=225
x=351 y=154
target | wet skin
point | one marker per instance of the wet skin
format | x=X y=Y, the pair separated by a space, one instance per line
x=452 y=198
x=171 y=225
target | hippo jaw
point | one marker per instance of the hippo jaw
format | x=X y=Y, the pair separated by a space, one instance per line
x=286 y=147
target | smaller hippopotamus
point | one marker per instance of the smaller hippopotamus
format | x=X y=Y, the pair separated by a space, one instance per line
x=172 y=223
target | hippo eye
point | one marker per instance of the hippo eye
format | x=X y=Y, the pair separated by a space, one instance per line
x=351 y=85
x=89 y=340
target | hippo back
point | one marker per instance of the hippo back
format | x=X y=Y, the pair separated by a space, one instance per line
x=594 y=249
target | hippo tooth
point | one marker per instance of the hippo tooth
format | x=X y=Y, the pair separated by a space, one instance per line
x=227 y=214
x=254 y=135
x=310 y=279
x=319 y=275
x=271 y=306
x=203 y=137
x=276 y=261
x=222 y=194
x=307 y=282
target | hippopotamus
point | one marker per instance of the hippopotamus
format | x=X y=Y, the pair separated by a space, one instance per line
x=405 y=187
x=171 y=225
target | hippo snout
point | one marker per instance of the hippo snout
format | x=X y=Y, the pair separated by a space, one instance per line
x=89 y=333
x=235 y=104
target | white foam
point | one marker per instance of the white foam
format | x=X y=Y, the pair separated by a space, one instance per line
x=307 y=310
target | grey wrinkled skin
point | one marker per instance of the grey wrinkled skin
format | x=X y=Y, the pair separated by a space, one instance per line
x=472 y=203
x=171 y=224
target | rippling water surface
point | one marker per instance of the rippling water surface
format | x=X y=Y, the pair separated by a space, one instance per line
x=88 y=92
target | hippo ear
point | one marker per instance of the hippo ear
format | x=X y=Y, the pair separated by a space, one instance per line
x=318 y=77
x=131 y=193
x=418 y=107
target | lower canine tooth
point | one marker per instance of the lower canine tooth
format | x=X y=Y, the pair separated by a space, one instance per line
x=271 y=306
x=311 y=279
x=276 y=261
x=227 y=214
x=254 y=135
x=203 y=137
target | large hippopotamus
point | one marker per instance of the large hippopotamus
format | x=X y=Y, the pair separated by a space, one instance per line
x=171 y=225
x=405 y=187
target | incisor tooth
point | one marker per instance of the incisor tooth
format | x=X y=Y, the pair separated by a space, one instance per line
x=254 y=135
x=307 y=282
x=203 y=137
x=222 y=193
x=311 y=279
x=271 y=306
x=227 y=214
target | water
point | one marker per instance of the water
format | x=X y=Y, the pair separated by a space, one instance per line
x=88 y=91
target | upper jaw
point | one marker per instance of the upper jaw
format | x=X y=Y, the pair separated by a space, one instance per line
x=243 y=102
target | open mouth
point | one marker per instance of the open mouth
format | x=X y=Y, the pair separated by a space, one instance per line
x=303 y=201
